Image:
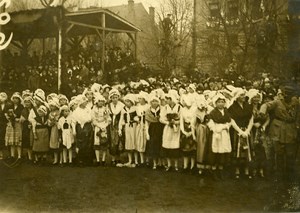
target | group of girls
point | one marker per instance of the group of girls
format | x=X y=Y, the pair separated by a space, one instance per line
x=208 y=131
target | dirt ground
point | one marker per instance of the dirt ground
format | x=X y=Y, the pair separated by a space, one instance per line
x=29 y=188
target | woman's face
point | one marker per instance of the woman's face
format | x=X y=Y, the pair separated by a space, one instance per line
x=115 y=99
x=27 y=104
x=66 y=113
x=37 y=102
x=169 y=101
x=53 y=108
x=255 y=99
x=16 y=100
x=154 y=104
x=89 y=96
x=220 y=104
x=241 y=98
x=100 y=103
x=63 y=102
x=128 y=103
x=41 y=113
x=142 y=101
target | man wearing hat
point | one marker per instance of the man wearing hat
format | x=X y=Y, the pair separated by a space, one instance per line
x=3 y=121
x=283 y=129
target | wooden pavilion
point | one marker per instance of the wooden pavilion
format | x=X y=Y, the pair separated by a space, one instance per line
x=68 y=27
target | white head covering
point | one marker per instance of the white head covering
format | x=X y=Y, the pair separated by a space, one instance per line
x=64 y=107
x=17 y=95
x=99 y=97
x=43 y=109
x=193 y=87
x=51 y=96
x=173 y=95
x=144 y=95
x=237 y=92
x=252 y=93
x=26 y=93
x=129 y=97
x=54 y=102
x=113 y=92
x=61 y=96
x=39 y=95
x=96 y=87
x=219 y=96
x=81 y=99
x=28 y=98
x=153 y=98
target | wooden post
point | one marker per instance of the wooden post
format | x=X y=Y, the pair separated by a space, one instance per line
x=43 y=46
x=59 y=53
x=103 y=43
x=135 y=46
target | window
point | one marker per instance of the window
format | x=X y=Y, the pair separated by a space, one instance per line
x=214 y=8
x=233 y=9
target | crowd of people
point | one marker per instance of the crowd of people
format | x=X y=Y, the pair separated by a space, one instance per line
x=214 y=126
x=80 y=67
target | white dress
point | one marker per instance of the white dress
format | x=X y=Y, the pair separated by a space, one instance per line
x=140 y=136
x=171 y=135
x=100 y=119
x=221 y=138
x=128 y=121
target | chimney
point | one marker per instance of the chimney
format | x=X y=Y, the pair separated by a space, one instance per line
x=152 y=13
x=130 y=3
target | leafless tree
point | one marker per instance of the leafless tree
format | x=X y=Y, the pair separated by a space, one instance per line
x=248 y=33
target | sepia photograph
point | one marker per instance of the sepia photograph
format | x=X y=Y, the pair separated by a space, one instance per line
x=141 y=106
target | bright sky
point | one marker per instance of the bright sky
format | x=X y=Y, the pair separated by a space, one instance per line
x=147 y=3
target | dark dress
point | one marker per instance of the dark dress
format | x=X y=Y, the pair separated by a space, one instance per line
x=84 y=142
x=241 y=147
x=3 y=123
x=155 y=131
x=116 y=143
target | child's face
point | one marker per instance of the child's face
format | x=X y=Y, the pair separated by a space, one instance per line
x=100 y=103
x=114 y=99
x=66 y=113
x=154 y=104
x=63 y=102
x=89 y=96
x=142 y=101
x=27 y=104
x=220 y=104
x=128 y=103
x=41 y=113
x=53 y=108
x=16 y=100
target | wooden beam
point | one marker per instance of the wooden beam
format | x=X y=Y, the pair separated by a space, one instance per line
x=99 y=34
x=16 y=44
x=59 y=58
x=100 y=28
x=69 y=28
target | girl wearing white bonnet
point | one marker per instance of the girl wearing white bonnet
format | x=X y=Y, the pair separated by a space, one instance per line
x=170 y=117
x=188 y=145
x=53 y=123
x=260 y=122
x=114 y=107
x=13 y=136
x=83 y=131
x=154 y=131
x=201 y=131
x=219 y=124
x=40 y=131
x=141 y=127
x=100 y=120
